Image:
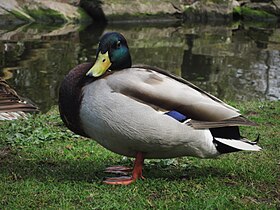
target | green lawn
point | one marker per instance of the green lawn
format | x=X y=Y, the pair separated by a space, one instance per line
x=45 y=166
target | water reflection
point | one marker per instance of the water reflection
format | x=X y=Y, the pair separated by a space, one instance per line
x=231 y=62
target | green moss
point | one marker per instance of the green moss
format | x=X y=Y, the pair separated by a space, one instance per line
x=237 y=10
x=188 y=9
x=253 y=14
x=84 y=17
x=46 y=15
x=20 y=16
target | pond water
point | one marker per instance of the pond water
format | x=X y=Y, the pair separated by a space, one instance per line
x=233 y=62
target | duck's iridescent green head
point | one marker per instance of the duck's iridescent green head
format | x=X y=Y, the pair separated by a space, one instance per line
x=112 y=53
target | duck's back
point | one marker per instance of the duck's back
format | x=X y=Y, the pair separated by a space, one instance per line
x=125 y=124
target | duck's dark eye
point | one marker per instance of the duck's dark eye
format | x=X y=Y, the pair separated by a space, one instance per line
x=118 y=44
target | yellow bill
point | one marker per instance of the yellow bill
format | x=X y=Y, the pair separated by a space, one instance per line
x=101 y=65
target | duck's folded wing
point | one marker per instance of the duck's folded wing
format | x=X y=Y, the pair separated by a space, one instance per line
x=12 y=106
x=167 y=92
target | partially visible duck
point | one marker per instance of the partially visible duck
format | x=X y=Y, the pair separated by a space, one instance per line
x=145 y=112
x=12 y=106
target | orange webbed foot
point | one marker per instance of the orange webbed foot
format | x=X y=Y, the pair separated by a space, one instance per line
x=126 y=180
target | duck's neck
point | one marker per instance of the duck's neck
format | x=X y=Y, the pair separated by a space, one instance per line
x=70 y=96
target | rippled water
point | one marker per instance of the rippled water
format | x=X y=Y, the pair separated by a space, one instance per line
x=233 y=62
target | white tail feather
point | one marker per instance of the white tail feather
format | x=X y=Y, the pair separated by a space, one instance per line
x=240 y=144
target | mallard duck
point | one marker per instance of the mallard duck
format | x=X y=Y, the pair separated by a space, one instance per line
x=12 y=106
x=145 y=112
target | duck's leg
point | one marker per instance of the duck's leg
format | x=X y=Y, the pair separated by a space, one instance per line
x=136 y=173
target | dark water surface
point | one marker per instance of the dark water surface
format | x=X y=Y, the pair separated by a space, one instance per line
x=233 y=62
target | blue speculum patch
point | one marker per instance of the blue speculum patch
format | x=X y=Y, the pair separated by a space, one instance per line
x=177 y=116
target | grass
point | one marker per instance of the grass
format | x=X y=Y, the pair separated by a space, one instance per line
x=45 y=166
